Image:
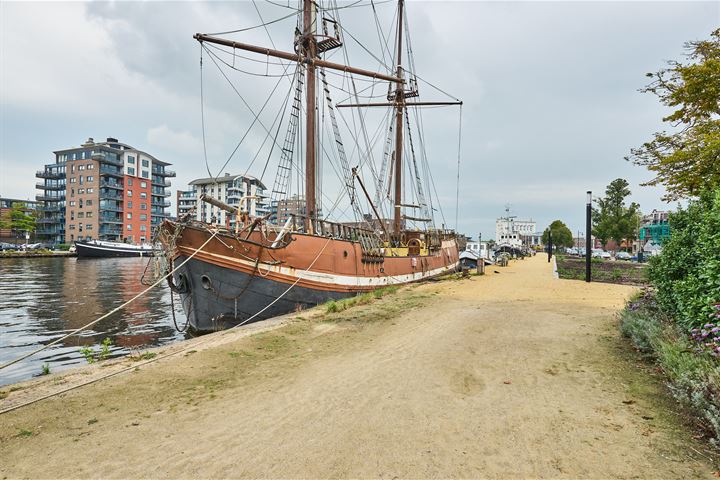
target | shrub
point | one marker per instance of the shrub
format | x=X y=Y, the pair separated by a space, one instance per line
x=687 y=272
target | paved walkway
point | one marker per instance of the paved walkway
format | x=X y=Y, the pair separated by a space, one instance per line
x=511 y=375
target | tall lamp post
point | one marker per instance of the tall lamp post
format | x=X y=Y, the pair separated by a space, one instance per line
x=588 y=234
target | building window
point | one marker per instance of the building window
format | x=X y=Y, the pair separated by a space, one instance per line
x=72 y=203
x=72 y=226
x=145 y=163
x=81 y=191
x=131 y=171
x=143 y=195
x=89 y=178
x=129 y=182
x=90 y=166
x=88 y=214
x=129 y=216
x=81 y=214
x=129 y=193
x=143 y=184
x=143 y=217
x=81 y=179
x=131 y=159
x=90 y=190
x=129 y=204
x=145 y=174
x=88 y=226
x=143 y=228
x=129 y=227
x=73 y=179
x=143 y=206
x=88 y=202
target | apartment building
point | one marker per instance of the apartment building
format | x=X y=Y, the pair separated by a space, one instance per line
x=229 y=189
x=102 y=190
x=185 y=201
x=6 y=207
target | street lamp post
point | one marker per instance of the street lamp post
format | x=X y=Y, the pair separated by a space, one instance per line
x=588 y=233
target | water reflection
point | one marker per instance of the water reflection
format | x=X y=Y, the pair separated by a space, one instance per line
x=42 y=299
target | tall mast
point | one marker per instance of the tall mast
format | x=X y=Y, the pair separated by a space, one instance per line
x=310 y=52
x=399 y=108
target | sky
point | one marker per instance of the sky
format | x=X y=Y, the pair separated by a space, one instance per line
x=550 y=92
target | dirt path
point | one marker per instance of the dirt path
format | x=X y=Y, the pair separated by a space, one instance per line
x=511 y=375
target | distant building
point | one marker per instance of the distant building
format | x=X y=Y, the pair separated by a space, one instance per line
x=229 y=189
x=287 y=207
x=480 y=249
x=515 y=233
x=6 y=205
x=102 y=190
x=185 y=202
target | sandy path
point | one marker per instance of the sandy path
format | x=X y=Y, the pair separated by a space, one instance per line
x=511 y=375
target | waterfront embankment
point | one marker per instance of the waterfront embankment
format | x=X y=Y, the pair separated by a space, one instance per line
x=513 y=374
x=34 y=254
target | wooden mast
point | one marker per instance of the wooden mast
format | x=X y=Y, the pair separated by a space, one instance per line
x=399 y=108
x=310 y=50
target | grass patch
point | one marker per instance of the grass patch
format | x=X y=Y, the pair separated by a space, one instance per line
x=622 y=272
x=24 y=433
x=143 y=356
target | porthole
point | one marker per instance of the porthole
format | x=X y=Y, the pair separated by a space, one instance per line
x=206 y=283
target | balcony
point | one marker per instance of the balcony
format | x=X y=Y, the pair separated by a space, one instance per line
x=111 y=171
x=165 y=204
x=106 y=158
x=115 y=185
x=49 y=220
x=49 y=231
x=48 y=198
x=43 y=186
x=109 y=218
x=110 y=195
x=163 y=173
x=110 y=231
x=49 y=174
x=164 y=183
x=111 y=209
x=51 y=208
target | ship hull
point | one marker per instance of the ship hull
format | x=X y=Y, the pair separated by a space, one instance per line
x=230 y=281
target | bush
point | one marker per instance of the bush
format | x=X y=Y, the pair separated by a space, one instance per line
x=687 y=272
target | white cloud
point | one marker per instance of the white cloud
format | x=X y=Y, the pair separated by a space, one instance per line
x=177 y=141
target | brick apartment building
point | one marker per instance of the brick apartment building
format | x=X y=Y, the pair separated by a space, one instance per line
x=102 y=190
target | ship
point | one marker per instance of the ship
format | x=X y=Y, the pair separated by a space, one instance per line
x=253 y=267
x=99 y=248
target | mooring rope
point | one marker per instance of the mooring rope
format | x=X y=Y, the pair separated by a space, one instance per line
x=160 y=357
x=84 y=327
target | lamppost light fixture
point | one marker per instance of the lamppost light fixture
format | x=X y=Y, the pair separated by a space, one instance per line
x=589 y=197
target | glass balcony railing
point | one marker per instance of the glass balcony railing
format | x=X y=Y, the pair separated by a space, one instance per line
x=115 y=185
x=163 y=173
x=44 y=186
x=107 y=158
x=110 y=195
x=49 y=174
x=105 y=170
x=49 y=198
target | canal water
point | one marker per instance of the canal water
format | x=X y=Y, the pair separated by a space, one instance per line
x=42 y=299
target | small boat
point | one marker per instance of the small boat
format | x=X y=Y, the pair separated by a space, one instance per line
x=98 y=248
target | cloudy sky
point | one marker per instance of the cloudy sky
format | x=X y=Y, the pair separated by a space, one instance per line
x=551 y=105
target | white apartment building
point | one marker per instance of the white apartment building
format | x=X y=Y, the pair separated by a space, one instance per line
x=229 y=189
x=511 y=231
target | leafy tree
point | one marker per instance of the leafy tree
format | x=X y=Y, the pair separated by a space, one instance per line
x=561 y=235
x=687 y=160
x=19 y=219
x=612 y=219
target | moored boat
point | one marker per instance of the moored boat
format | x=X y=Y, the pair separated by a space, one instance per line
x=248 y=268
x=99 y=248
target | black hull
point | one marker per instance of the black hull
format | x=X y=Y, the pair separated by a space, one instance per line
x=216 y=298
x=97 y=251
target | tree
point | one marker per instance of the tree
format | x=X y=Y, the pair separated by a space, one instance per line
x=687 y=160
x=561 y=235
x=612 y=219
x=20 y=219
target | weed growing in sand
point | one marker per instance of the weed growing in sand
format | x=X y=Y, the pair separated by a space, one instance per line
x=24 y=433
x=143 y=356
x=88 y=353
x=105 y=349
x=45 y=369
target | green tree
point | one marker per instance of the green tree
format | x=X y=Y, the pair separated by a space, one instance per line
x=612 y=218
x=687 y=160
x=561 y=235
x=20 y=219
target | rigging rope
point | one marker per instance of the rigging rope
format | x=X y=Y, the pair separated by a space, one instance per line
x=88 y=325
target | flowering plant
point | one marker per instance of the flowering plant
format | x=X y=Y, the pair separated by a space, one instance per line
x=707 y=338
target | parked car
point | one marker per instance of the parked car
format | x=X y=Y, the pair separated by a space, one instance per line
x=599 y=253
x=7 y=246
x=623 y=256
